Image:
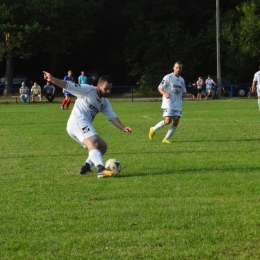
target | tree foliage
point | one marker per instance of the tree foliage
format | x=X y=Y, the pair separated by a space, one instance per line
x=29 y=27
x=134 y=41
x=242 y=29
x=241 y=34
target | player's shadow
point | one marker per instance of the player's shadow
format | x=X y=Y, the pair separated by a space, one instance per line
x=190 y=171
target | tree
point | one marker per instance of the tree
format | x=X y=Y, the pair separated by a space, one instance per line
x=241 y=31
x=164 y=32
x=21 y=32
x=70 y=32
x=27 y=25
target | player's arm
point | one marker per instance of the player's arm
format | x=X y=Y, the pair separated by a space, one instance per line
x=163 y=92
x=58 y=82
x=162 y=86
x=253 y=86
x=116 y=122
x=185 y=94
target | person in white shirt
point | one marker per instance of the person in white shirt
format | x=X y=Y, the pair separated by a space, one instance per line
x=200 y=83
x=209 y=83
x=173 y=90
x=90 y=101
x=256 y=86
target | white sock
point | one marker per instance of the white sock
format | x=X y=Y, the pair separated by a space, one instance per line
x=159 y=125
x=89 y=162
x=170 y=132
x=95 y=157
x=259 y=103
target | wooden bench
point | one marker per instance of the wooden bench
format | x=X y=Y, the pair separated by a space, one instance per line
x=15 y=98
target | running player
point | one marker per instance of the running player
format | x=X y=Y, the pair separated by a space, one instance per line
x=90 y=100
x=172 y=89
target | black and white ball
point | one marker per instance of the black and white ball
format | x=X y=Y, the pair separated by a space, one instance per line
x=113 y=165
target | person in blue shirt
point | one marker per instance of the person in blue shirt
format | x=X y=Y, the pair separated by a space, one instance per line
x=67 y=99
x=82 y=78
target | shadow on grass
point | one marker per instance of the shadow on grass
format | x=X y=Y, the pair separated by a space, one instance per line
x=217 y=140
x=194 y=171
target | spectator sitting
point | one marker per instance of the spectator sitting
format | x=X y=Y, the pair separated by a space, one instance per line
x=24 y=90
x=49 y=91
x=36 y=91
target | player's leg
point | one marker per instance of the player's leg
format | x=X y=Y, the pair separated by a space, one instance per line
x=258 y=95
x=167 y=120
x=68 y=102
x=171 y=130
x=65 y=100
x=87 y=137
x=40 y=96
x=97 y=148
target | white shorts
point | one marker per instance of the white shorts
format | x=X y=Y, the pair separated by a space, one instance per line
x=258 y=91
x=171 y=112
x=80 y=132
x=208 y=90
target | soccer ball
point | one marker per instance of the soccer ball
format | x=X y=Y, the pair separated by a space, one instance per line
x=113 y=165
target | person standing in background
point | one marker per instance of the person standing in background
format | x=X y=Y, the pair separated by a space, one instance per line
x=256 y=86
x=209 y=83
x=67 y=99
x=82 y=78
x=200 y=83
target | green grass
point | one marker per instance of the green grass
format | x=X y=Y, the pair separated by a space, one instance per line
x=195 y=199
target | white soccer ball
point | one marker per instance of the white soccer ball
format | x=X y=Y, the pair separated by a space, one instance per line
x=113 y=165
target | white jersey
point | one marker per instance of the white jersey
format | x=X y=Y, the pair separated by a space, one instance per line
x=209 y=83
x=257 y=79
x=175 y=87
x=88 y=104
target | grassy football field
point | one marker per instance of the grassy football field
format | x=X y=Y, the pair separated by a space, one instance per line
x=198 y=198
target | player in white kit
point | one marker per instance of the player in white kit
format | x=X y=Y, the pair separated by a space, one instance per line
x=90 y=101
x=256 y=86
x=172 y=89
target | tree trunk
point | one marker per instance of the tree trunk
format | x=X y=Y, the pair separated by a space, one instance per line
x=9 y=72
